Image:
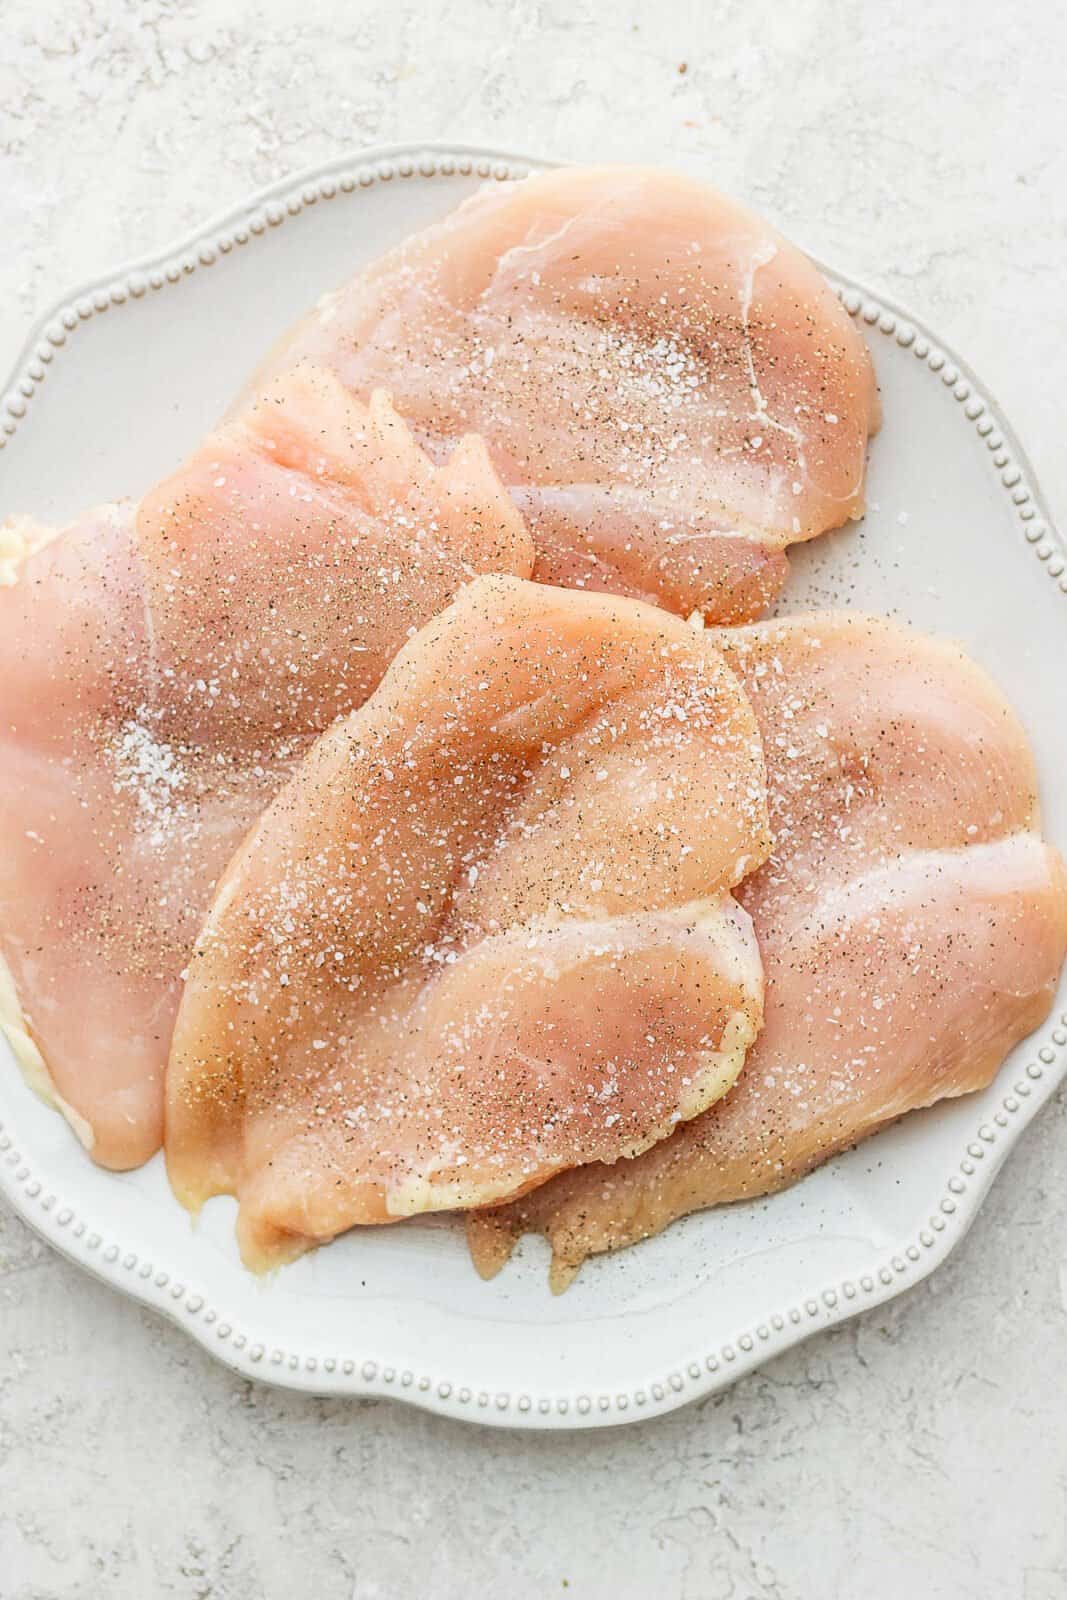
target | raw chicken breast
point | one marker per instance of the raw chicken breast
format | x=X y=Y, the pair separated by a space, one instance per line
x=161 y=669
x=670 y=389
x=485 y=932
x=912 y=925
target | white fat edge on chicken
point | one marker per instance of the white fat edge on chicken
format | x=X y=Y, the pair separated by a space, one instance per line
x=22 y=537
x=15 y=1029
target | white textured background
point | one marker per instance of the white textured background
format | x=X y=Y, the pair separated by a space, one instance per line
x=920 y=1450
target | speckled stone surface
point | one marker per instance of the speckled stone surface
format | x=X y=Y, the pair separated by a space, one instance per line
x=922 y=1449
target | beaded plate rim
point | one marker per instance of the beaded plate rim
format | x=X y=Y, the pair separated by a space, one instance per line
x=346 y=1374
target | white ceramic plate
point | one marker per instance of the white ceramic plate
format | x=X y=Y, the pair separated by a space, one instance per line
x=112 y=390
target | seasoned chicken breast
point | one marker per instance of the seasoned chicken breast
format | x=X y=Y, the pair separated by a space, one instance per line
x=669 y=388
x=912 y=924
x=485 y=932
x=162 y=668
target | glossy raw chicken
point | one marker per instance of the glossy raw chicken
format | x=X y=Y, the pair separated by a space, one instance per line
x=671 y=390
x=161 y=669
x=912 y=925
x=484 y=932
